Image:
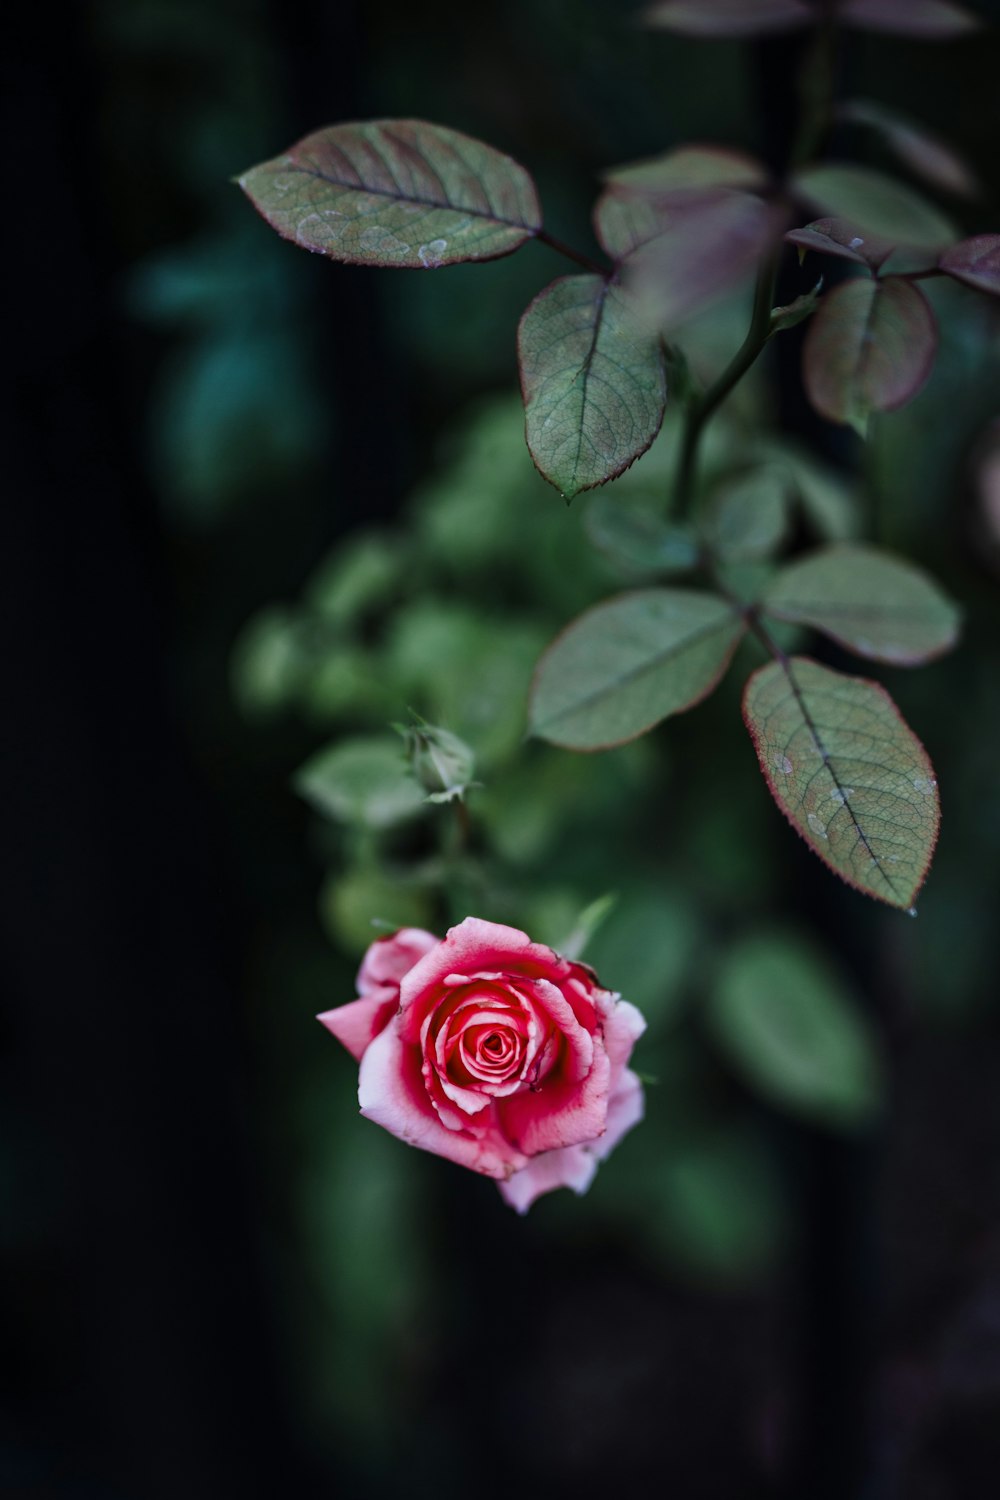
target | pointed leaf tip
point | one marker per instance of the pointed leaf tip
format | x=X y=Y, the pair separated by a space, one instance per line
x=869 y=600
x=870 y=348
x=883 y=207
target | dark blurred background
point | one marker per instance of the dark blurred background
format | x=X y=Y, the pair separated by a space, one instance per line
x=217 y=1281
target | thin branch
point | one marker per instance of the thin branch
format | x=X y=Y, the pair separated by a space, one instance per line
x=701 y=410
x=545 y=238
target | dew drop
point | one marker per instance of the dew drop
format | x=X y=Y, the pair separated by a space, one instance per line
x=430 y=254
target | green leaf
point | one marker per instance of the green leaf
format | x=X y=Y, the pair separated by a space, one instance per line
x=628 y=663
x=879 y=204
x=976 y=262
x=594 y=383
x=268 y=662
x=396 y=193
x=931 y=158
x=354 y=904
x=828 y=501
x=728 y=17
x=632 y=535
x=789 y=1026
x=868 y=600
x=718 y=1206
x=747 y=518
x=869 y=348
x=358 y=575
x=364 y=781
x=796 y=311
x=344 y=680
x=848 y=773
x=646 y=947
x=587 y=924
x=687 y=169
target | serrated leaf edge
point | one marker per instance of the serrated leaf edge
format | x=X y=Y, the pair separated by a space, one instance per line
x=906 y=904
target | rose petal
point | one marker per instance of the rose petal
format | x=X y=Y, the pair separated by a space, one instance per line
x=580 y=1043
x=360 y=1021
x=559 y=1112
x=626 y=1108
x=472 y=948
x=389 y=958
x=623 y=1026
x=391 y=1092
x=573 y=1167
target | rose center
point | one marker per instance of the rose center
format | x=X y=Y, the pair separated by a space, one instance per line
x=491 y=1051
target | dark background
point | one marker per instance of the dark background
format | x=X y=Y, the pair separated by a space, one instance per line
x=196 y=414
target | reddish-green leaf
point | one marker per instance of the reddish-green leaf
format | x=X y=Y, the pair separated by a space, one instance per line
x=842 y=239
x=927 y=155
x=870 y=601
x=396 y=193
x=931 y=20
x=630 y=662
x=689 y=169
x=848 y=773
x=624 y=222
x=869 y=348
x=975 y=261
x=728 y=17
x=877 y=203
x=593 y=379
x=704 y=250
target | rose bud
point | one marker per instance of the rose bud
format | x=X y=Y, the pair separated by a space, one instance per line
x=494 y=1052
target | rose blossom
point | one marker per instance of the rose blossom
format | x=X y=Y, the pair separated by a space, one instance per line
x=495 y=1052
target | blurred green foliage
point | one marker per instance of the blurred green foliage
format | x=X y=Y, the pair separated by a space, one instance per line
x=444 y=610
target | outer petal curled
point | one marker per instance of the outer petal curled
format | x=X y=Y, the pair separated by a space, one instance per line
x=626 y=1108
x=383 y=966
x=574 y=1166
x=389 y=958
x=359 y=1023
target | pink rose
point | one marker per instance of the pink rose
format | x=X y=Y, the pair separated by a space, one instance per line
x=495 y=1052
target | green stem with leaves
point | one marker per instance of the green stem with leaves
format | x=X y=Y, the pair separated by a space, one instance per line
x=702 y=409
